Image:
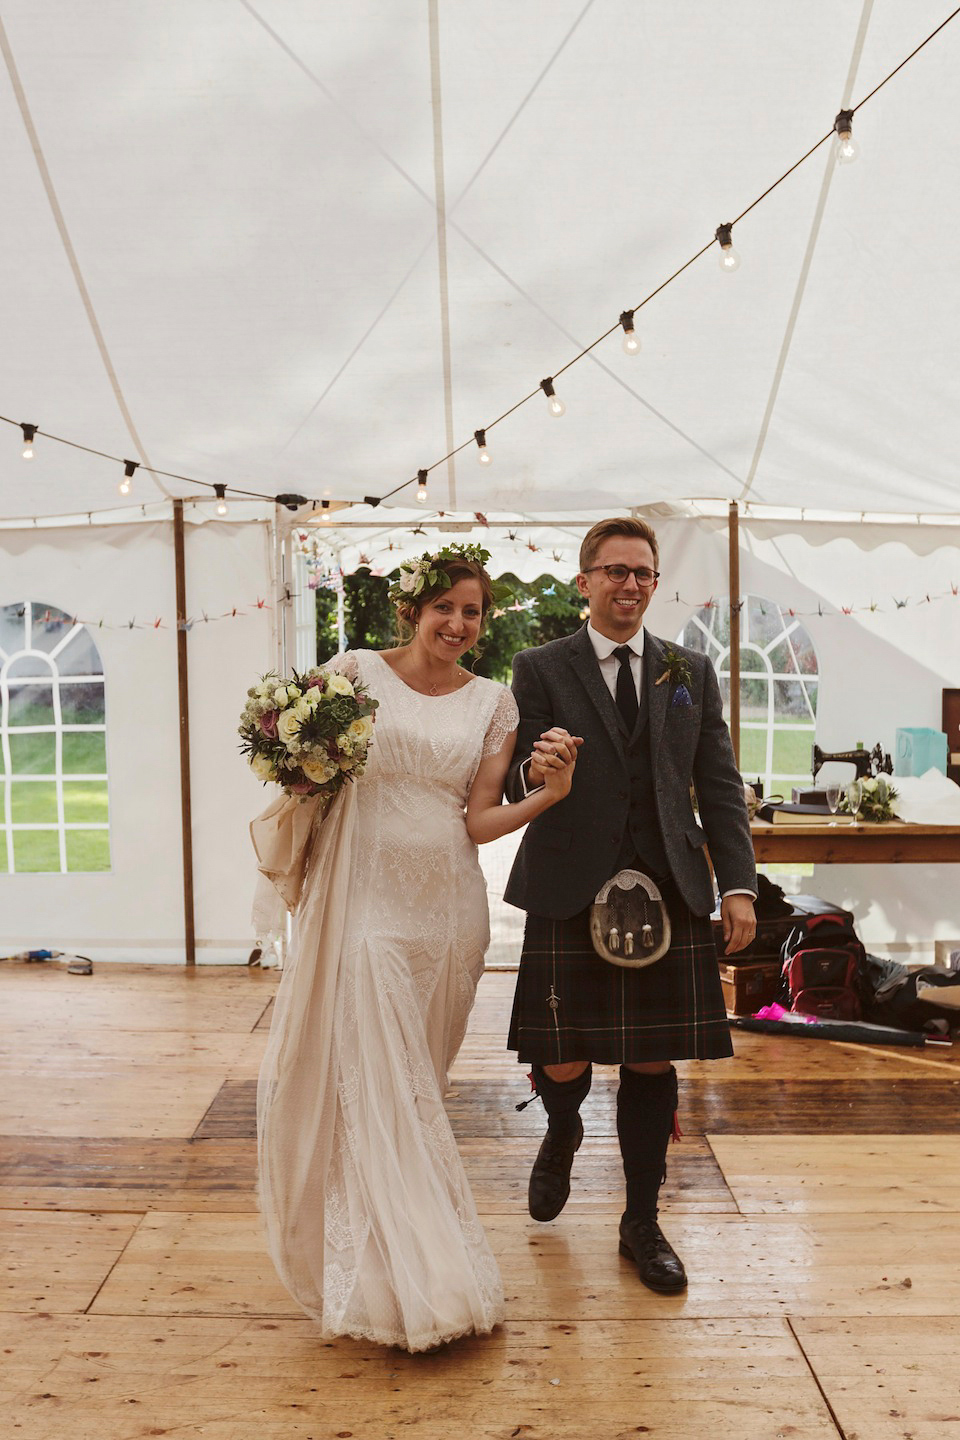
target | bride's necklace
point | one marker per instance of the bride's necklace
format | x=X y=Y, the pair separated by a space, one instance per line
x=437 y=687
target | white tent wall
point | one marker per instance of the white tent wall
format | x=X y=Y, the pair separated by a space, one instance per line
x=118 y=573
x=879 y=670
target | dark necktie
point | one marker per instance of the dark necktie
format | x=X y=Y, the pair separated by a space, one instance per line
x=626 y=690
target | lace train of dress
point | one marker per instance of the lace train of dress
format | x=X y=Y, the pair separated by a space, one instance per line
x=370 y=1220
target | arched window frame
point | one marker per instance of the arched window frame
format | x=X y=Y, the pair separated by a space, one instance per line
x=808 y=681
x=47 y=672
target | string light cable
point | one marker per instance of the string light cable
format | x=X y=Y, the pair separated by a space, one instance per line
x=847 y=150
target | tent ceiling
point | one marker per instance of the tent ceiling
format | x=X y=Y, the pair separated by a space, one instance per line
x=222 y=254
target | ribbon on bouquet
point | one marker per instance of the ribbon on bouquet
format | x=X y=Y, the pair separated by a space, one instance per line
x=281 y=840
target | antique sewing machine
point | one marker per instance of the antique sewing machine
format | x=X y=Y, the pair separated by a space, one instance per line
x=865 y=762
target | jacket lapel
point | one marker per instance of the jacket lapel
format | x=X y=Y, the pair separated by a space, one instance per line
x=584 y=661
x=656 y=696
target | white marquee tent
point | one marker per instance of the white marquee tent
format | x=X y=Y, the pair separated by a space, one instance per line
x=306 y=248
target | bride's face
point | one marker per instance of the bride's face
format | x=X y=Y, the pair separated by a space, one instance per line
x=450 y=623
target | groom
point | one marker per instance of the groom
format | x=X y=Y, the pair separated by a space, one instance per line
x=643 y=722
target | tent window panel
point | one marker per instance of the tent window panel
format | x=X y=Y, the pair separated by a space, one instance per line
x=33 y=802
x=33 y=754
x=792 y=748
x=82 y=704
x=777 y=711
x=85 y=802
x=53 y=775
x=796 y=700
x=30 y=667
x=35 y=850
x=79 y=655
x=12 y=629
x=84 y=753
x=88 y=850
x=48 y=627
x=30 y=705
x=753 y=751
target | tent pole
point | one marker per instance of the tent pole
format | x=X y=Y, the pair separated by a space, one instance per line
x=734 y=534
x=185 y=818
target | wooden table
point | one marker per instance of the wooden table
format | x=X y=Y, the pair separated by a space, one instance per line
x=892 y=843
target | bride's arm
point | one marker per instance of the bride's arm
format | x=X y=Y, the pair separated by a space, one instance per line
x=488 y=818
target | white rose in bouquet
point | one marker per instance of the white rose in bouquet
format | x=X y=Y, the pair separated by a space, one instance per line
x=339 y=685
x=280 y=695
x=263 y=767
x=319 y=771
x=288 y=726
x=408 y=579
x=361 y=730
x=303 y=708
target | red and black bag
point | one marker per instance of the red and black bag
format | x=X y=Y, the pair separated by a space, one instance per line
x=823 y=968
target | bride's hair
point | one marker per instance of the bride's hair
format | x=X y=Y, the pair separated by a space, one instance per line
x=456 y=569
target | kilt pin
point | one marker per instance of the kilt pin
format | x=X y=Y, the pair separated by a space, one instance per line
x=630 y=806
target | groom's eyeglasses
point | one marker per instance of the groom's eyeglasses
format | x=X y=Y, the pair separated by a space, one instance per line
x=618 y=574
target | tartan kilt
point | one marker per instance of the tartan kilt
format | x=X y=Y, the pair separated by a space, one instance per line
x=671 y=1010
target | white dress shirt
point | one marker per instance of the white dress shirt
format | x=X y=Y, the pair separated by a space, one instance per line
x=603 y=648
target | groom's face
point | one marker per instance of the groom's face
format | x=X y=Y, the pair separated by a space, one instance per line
x=617 y=609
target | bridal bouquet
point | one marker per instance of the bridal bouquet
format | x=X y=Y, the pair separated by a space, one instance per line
x=310 y=733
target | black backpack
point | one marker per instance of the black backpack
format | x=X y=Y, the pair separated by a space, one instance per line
x=823 y=968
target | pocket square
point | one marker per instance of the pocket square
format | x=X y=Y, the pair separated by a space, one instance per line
x=681 y=696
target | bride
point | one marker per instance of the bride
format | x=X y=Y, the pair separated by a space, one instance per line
x=369 y=1217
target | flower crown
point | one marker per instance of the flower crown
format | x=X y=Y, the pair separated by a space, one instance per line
x=427 y=572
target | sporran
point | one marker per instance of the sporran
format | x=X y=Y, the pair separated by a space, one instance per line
x=629 y=924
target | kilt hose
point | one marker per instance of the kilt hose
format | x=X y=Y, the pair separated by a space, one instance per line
x=572 y=1005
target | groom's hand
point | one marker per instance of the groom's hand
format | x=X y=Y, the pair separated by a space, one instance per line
x=555 y=749
x=739 y=922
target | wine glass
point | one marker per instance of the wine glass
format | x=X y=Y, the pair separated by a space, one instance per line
x=854 y=797
x=833 y=800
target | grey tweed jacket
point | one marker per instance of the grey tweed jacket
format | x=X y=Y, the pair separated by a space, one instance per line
x=570 y=850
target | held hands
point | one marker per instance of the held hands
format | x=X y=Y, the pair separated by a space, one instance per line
x=553 y=761
x=739 y=922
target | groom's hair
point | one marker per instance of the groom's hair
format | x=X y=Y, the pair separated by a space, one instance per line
x=620 y=525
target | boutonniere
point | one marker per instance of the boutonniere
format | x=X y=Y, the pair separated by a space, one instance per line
x=678 y=675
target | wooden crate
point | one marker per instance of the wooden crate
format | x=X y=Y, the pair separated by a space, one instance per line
x=747 y=987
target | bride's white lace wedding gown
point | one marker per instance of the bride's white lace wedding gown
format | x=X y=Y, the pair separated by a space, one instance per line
x=370 y=1219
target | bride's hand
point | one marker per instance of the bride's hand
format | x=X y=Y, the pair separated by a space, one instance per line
x=558 y=779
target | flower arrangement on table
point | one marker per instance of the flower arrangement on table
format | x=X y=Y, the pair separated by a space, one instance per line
x=876 y=799
x=309 y=734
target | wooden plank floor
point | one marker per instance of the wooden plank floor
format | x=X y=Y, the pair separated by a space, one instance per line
x=815 y=1199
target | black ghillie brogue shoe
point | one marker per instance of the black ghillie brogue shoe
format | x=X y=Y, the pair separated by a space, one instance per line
x=550 y=1177
x=658 y=1264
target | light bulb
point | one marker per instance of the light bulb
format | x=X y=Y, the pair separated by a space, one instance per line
x=729 y=258
x=422 y=487
x=631 y=342
x=28 y=452
x=555 y=405
x=483 y=456
x=847 y=149
x=220 y=491
x=28 y=433
x=124 y=486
